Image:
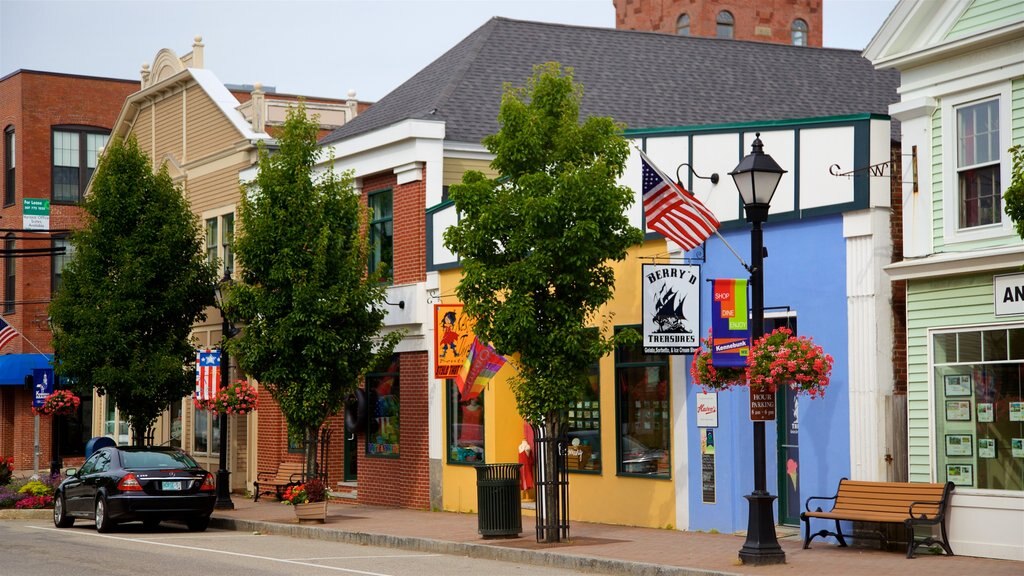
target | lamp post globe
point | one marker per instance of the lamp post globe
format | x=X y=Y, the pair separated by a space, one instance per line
x=223 y=501
x=756 y=177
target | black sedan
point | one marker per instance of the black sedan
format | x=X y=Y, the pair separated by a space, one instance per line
x=125 y=484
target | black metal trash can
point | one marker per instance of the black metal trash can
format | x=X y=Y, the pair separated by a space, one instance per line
x=497 y=495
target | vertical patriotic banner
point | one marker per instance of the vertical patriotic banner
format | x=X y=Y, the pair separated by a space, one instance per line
x=730 y=330
x=453 y=338
x=207 y=374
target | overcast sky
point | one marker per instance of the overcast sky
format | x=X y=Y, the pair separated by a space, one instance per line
x=318 y=48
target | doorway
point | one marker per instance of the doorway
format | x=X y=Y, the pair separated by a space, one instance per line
x=351 y=446
x=787 y=425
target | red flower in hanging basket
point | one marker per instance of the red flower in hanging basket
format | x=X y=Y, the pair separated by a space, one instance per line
x=779 y=358
x=710 y=377
x=238 y=398
x=59 y=403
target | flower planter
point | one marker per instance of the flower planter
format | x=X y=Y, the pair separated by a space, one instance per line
x=311 y=511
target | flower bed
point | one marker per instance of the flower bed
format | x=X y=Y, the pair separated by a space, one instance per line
x=25 y=494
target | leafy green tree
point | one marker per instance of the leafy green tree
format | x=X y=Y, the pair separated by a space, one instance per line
x=137 y=283
x=313 y=316
x=536 y=242
x=1013 y=197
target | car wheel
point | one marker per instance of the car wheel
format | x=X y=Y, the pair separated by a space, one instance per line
x=198 y=523
x=150 y=523
x=60 y=513
x=103 y=522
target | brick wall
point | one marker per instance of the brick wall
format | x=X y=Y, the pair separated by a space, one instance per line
x=899 y=287
x=758 y=20
x=409 y=207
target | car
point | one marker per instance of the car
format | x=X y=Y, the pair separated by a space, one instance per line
x=637 y=458
x=128 y=483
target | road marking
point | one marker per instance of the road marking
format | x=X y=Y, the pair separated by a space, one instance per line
x=199 y=549
x=366 y=557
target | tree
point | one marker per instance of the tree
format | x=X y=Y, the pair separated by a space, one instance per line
x=137 y=283
x=313 y=315
x=536 y=242
x=1013 y=197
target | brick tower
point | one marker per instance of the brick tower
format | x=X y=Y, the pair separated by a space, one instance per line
x=778 y=21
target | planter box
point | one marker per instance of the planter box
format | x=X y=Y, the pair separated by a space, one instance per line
x=311 y=511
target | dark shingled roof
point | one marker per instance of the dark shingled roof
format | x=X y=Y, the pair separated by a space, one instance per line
x=642 y=79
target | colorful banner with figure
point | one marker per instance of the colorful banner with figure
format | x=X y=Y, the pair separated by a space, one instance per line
x=482 y=363
x=730 y=329
x=453 y=336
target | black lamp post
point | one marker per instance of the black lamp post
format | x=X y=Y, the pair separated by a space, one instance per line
x=223 y=476
x=756 y=177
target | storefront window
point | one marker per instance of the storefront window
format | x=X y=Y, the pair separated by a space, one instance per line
x=383 y=425
x=584 y=419
x=643 y=412
x=174 y=412
x=979 y=391
x=465 y=427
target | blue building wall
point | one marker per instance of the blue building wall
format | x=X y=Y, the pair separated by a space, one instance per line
x=806 y=271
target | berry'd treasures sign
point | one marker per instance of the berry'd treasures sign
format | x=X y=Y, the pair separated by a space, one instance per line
x=671 y=308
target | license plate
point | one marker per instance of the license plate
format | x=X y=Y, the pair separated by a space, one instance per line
x=177 y=485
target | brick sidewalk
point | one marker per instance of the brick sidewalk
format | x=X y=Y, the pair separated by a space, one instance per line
x=595 y=547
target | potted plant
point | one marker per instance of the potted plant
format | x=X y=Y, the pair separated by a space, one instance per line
x=239 y=397
x=710 y=377
x=309 y=500
x=59 y=403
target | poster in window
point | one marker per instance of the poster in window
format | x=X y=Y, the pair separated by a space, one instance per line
x=986 y=447
x=1016 y=411
x=1017 y=447
x=960 y=474
x=986 y=412
x=958 y=410
x=958 y=384
x=959 y=445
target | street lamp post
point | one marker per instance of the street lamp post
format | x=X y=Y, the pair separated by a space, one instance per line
x=223 y=476
x=756 y=177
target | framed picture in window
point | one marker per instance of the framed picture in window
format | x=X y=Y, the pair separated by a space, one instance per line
x=958 y=384
x=960 y=474
x=958 y=410
x=986 y=448
x=959 y=445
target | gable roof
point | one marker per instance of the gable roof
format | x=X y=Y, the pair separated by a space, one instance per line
x=642 y=79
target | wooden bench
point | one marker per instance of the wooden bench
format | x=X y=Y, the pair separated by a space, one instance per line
x=287 y=474
x=909 y=503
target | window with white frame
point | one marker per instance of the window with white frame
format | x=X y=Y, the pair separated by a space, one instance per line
x=75 y=155
x=220 y=237
x=63 y=252
x=978 y=377
x=975 y=140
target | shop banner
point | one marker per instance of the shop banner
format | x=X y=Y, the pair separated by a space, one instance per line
x=453 y=336
x=671 y=308
x=730 y=330
x=42 y=379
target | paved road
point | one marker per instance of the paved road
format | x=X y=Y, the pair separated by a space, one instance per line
x=36 y=548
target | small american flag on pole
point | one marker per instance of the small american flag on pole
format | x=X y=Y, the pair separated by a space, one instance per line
x=7 y=333
x=207 y=374
x=673 y=211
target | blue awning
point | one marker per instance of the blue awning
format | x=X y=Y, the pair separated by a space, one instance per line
x=14 y=367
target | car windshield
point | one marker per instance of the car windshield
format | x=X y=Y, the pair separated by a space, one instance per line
x=157 y=460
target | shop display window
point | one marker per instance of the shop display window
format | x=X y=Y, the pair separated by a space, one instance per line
x=584 y=420
x=643 y=412
x=465 y=427
x=979 y=409
x=382 y=425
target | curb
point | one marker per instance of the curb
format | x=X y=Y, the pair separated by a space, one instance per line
x=27 y=514
x=482 y=551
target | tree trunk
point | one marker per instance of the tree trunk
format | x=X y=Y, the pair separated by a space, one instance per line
x=311 y=445
x=549 y=495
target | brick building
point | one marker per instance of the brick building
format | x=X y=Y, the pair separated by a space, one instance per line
x=53 y=128
x=796 y=22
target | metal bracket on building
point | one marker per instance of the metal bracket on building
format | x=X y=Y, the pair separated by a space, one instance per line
x=400 y=304
x=701 y=257
x=879 y=170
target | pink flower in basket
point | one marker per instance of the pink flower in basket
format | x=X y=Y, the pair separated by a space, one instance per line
x=59 y=403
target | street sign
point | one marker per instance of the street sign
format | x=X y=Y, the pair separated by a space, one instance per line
x=35 y=215
x=762 y=406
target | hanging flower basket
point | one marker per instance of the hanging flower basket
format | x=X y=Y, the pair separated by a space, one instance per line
x=709 y=377
x=238 y=398
x=781 y=359
x=59 y=403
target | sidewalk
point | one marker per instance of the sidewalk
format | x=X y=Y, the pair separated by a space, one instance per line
x=592 y=547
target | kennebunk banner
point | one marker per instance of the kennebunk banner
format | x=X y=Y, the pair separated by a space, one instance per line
x=671 y=308
x=453 y=335
x=730 y=330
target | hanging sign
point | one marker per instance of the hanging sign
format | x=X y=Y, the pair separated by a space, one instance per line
x=207 y=374
x=730 y=330
x=453 y=336
x=707 y=466
x=707 y=409
x=1009 y=294
x=671 y=308
x=762 y=405
x=42 y=381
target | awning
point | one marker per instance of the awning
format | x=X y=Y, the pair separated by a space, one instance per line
x=14 y=367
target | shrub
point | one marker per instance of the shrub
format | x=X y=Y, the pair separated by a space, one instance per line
x=34 y=502
x=6 y=469
x=36 y=488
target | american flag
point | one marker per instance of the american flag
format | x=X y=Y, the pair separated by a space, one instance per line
x=207 y=374
x=673 y=211
x=7 y=333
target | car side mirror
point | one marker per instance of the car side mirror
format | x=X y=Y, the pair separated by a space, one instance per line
x=71 y=472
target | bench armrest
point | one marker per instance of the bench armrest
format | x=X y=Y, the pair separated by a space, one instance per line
x=923 y=516
x=265 y=476
x=807 y=504
x=296 y=478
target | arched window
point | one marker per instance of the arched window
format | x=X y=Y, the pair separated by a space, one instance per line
x=683 y=25
x=725 y=24
x=799 y=32
x=9 y=157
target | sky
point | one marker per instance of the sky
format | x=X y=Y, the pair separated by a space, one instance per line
x=311 y=47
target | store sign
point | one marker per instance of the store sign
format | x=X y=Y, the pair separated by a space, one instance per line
x=453 y=336
x=1009 y=294
x=762 y=406
x=707 y=466
x=707 y=410
x=35 y=214
x=671 y=308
